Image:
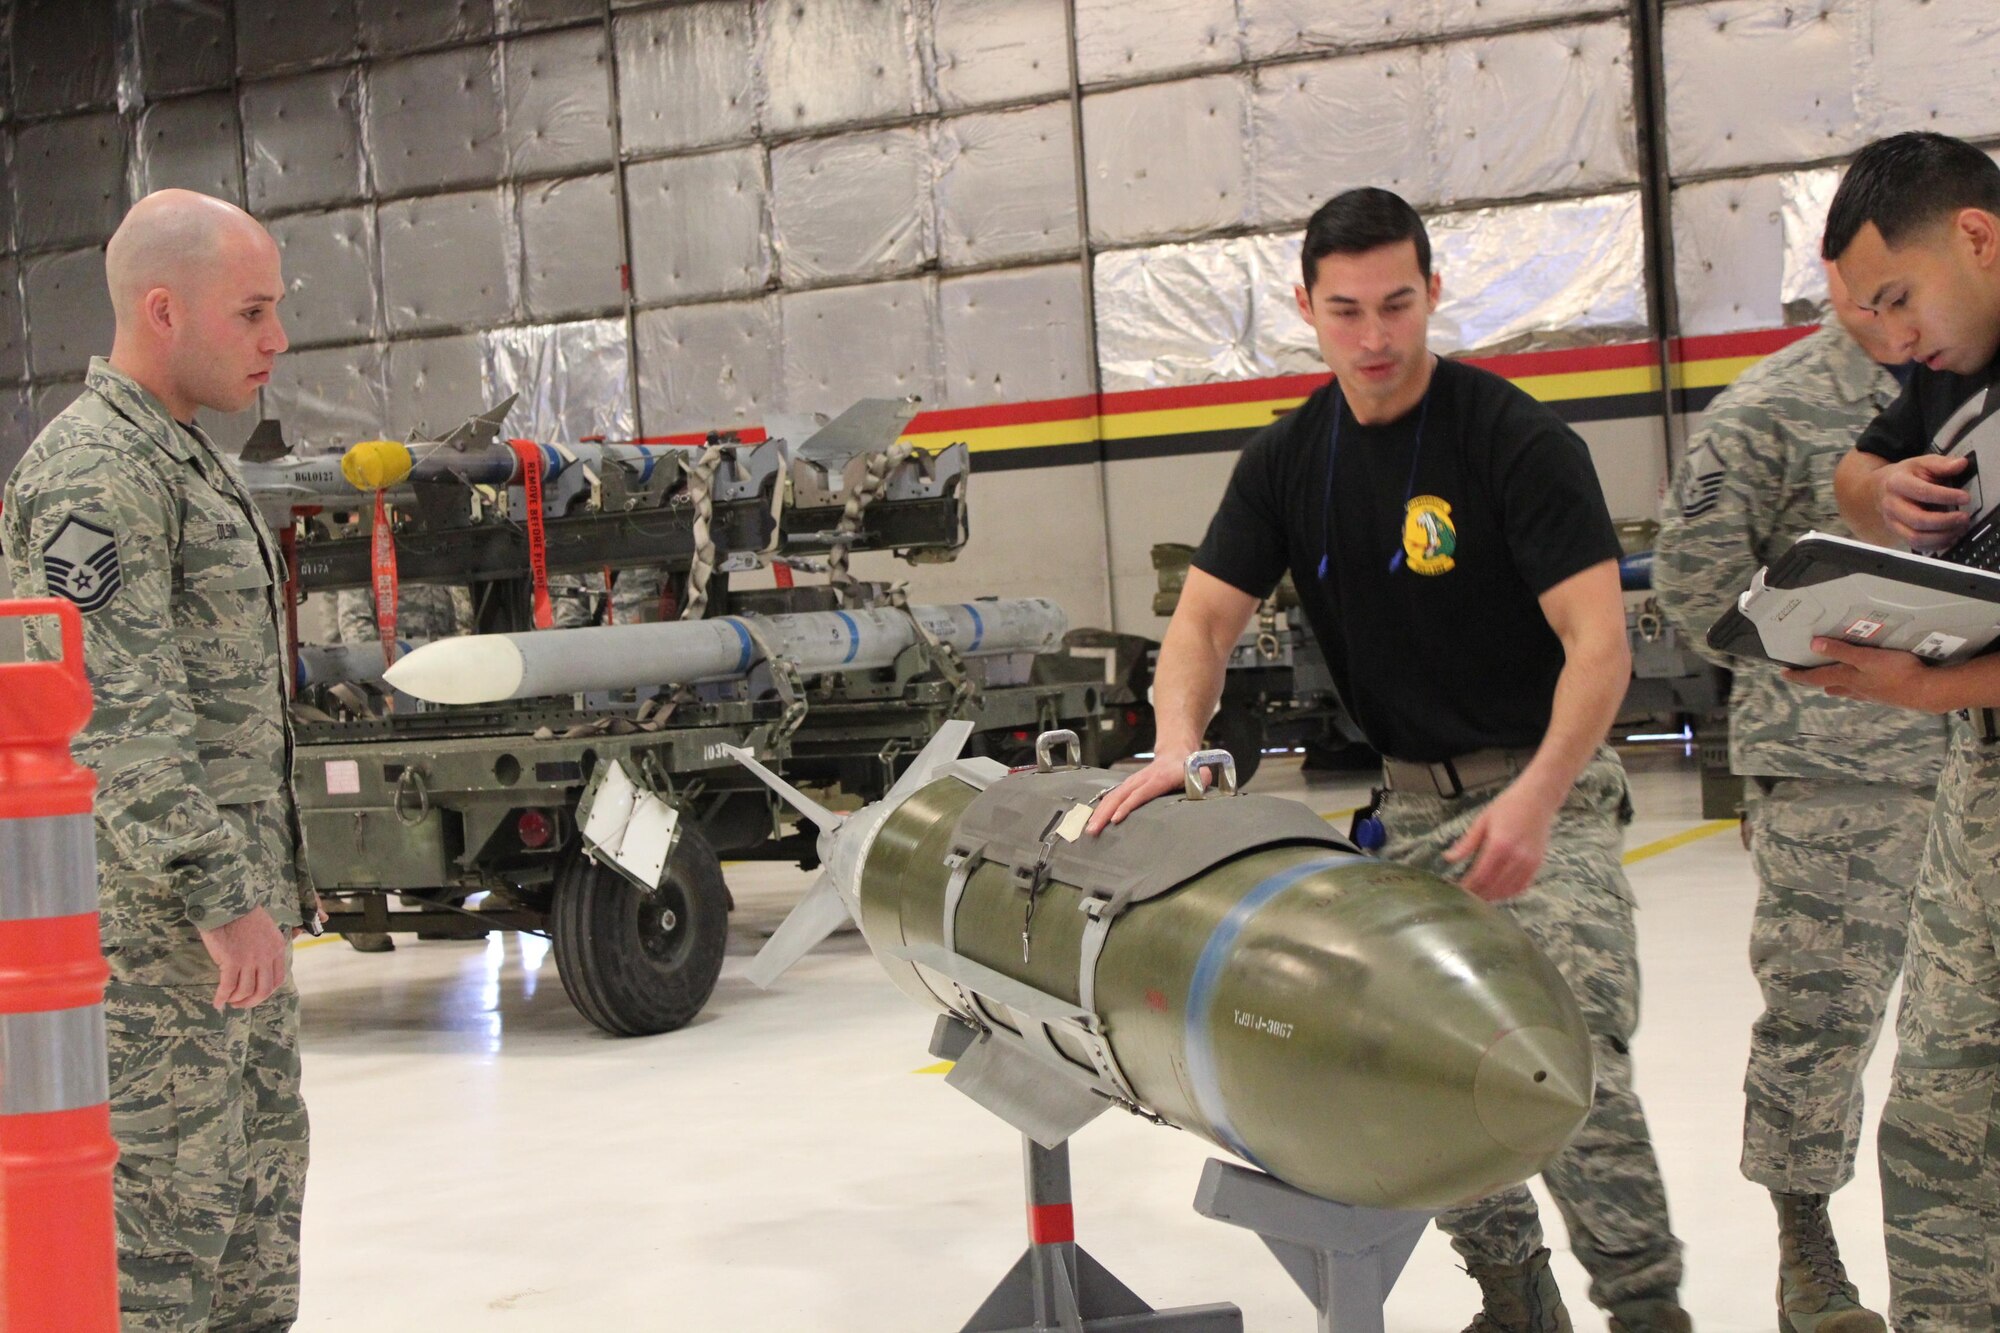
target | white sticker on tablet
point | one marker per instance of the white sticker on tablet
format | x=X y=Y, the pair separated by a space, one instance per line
x=1937 y=646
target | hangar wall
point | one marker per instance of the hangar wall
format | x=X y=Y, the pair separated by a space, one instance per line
x=661 y=216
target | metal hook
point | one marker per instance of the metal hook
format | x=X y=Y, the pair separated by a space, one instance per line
x=1224 y=764
x=1045 y=745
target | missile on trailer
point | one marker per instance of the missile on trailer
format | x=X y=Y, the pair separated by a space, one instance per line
x=346 y=663
x=487 y=668
x=1363 y=1031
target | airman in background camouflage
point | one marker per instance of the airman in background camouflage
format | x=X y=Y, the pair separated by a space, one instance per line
x=635 y=597
x=424 y=611
x=1607 y=1182
x=139 y=520
x=1841 y=794
x=1939 y=1143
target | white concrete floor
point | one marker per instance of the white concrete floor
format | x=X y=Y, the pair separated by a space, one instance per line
x=485 y=1159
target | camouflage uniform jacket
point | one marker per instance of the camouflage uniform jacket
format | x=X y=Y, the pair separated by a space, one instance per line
x=149 y=530
x=1757 y=476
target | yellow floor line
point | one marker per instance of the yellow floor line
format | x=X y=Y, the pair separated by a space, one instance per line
x=1681 y=839
x=1330 y=815
x=314 y=941
x=941 y=1067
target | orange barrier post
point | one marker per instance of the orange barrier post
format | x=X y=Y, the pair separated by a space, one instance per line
x=58 y=1239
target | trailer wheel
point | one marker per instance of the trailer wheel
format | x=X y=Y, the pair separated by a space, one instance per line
x=637 y=963
x=1241 y=732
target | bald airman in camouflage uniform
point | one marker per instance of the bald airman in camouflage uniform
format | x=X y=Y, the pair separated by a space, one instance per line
x=1840 y=795
x=134 y=515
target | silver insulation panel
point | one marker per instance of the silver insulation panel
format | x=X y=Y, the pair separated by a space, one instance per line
x=433 y=121
x=191 y=143
x=697 y=226
x=854 y=206
x=1515 y=278
x=874 y=341
x=434 y=384
x=13 y=331
x=558 y=114
x=448 y=261
x=834 y=62
x=998 y=50
x=686 y=76
x=569 y=237
x=392 y=26
x=69 y=180
x=1729 y=254
x=1119 y=40
x=68 y=311
x=705 y=367
x=302 y=141
x=570 y=379
x=1167 y=159
x=1005 y=185
x=1804 y=198
x=184 y=48
x=64 y=56
x=1014 y=335
x=329 y=268
x=274 y=35
x=329 y=398
x=1754 y=85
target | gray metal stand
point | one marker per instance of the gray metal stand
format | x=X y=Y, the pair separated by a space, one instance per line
x=1345 y=1259
x=1058 y=1288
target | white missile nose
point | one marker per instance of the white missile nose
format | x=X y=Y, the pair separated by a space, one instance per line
x=479 y=669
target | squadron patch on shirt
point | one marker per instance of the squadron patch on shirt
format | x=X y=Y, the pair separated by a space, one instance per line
x=1701 y=488
x=81 y=563
x=1430 y=538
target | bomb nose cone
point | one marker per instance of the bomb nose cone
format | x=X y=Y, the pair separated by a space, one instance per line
x=1533 y=1090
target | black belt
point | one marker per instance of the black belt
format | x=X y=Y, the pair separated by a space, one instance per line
x=1985 y=723
x=1454 y=777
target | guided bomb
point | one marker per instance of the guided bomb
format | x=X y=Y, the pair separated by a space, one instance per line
x=1225 y=963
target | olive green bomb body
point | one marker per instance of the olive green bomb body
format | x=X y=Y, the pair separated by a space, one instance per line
x=1362 y=1031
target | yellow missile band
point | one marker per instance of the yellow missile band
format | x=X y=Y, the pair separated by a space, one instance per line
x=376 y=465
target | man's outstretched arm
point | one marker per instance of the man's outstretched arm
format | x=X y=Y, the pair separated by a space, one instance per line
x=1210 y=617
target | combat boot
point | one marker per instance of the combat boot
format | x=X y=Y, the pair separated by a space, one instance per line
x=1814 y=1295
x=1519 y=1298
x=1658 y=1314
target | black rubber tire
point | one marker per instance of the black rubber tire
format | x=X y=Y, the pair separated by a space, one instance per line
x=620 y=968
x=1241 y=732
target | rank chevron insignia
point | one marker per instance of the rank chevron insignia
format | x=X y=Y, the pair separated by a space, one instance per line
x=81 y=563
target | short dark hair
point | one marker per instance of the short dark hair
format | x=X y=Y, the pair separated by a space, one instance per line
x=1355 y=221
x=1905 y=183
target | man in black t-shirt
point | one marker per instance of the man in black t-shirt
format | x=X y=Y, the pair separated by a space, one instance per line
x=1915 y=231
x=1453 y=555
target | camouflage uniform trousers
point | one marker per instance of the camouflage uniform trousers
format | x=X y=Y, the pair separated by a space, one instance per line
x=1940 y=1138
x=1835 y=863
x=211 y=1133
x=1606 y=1183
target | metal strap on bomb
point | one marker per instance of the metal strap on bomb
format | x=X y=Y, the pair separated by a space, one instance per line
x=785 y=676
x=701 y=493
x=944 y=659
x=875 y=474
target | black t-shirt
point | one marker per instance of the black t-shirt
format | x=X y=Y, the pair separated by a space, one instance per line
x=1907 y=426
x=1426 y=609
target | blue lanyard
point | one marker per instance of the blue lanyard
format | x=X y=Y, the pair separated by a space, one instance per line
x=1409 y=489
